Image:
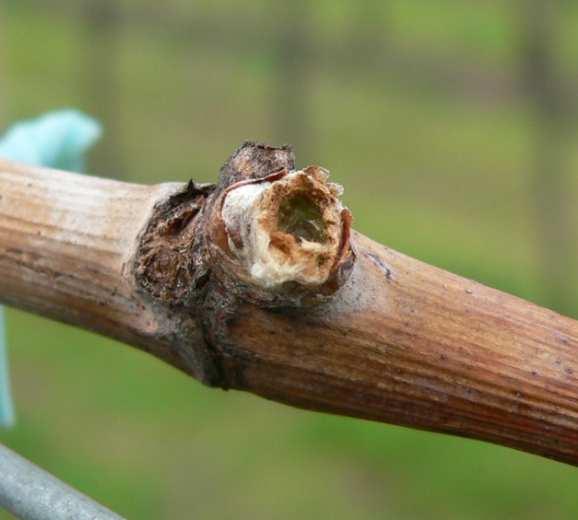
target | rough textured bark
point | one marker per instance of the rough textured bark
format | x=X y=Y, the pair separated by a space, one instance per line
x=379 y=336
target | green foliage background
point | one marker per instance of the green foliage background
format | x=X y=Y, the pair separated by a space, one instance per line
x=432 y=169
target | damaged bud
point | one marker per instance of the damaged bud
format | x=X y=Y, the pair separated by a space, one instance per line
x=266 y=234
x=283 y=237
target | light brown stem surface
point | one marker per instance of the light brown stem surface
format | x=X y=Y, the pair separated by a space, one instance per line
x=64 y=240
x=402 y=342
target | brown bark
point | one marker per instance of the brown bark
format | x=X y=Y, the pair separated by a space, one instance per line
x=389 y=339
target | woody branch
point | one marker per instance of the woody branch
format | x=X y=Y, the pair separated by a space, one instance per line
x=258 y=283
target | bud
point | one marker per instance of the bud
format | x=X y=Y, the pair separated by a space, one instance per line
x=283 y=239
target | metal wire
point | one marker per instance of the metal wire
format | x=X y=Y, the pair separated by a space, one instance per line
x=30 y=493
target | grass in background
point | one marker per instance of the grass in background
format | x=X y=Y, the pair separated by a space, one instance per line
x=442 y=179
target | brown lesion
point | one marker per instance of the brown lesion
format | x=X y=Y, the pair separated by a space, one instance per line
x=163 y=266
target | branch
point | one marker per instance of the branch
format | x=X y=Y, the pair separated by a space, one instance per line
x=257 y=284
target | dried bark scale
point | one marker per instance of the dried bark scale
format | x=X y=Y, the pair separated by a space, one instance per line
x=400 y=341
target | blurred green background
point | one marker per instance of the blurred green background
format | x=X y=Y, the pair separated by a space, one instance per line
x=451 y=125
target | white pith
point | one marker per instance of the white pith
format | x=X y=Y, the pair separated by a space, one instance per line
x=268 y=266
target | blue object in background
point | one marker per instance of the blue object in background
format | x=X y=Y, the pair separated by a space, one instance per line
x=56 y=140
x=6 y=405
x=60 y=140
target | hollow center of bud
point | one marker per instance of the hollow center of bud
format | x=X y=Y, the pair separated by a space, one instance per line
x=302 y=218
x=285 y=230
